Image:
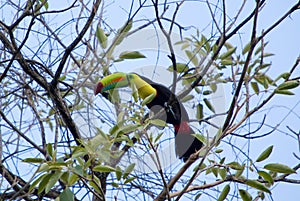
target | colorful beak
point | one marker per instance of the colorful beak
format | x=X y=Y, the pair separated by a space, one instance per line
x=98 y=88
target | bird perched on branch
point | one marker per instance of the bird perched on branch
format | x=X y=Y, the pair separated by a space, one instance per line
x=161 y=101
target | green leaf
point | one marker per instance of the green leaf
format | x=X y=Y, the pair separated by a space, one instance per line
x=101 y=36
x=222 y=160
x=180 y=68
x=78 y=152
x=235 y=165
x=35 y=182
x=192 y=57
x=78 y=170
x=50 y=150
x=73 y=178
x=245 y=195
x=261 y=195
x=158 y=122
x=257 y=185
x=187 y=98
x=228 y=53
x=52 y=181
x=46 y=5
x=128 y=128
x=215 y=171
x=263 y=80
x=224 y=193
x=44 y=183
x=213 y=87
x=260 y=48
x=267 y=55
x=122 y=32
x=185 y=46
x=129 y=180
x=201 y=167
x=127 y=27
x=223 y=173
x=96 y=187
x=197 y=197
x=284 y=76
x=65 y=176
x=228 y=45
x=131 y=55
x=135 y=93
x=103 y=168
x=284 y=92
x=226 y=62
x=262 y=66
x=118 y=173
x=114 y=184
x=128 y=170
x=57 y=166
x=199 y=113
x=246 y=48
x=67 y=195
x=266 y=176
x=43 y=167
x=148 y=99
x=209 y=105
x=207 y=92
x=200 y=137
x=34 y=160
x=158 y=137
x=255 y=87
x=120 y=117
x=288 y=85
x=238 y=173
x=62 y=78
x=180 y=42
x=280 y=168
x=265 y=154
x=219 y=151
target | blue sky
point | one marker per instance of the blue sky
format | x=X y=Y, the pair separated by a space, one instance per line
x=283 y=42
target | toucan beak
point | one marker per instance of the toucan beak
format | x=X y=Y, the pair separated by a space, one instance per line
x=98 y=88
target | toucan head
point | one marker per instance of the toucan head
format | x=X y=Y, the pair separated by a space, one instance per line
x=112 y=81
x=118 y=80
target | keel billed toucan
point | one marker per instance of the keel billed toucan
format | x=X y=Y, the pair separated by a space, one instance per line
x=174 y=112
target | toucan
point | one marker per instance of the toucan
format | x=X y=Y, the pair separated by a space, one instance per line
x=164 y=103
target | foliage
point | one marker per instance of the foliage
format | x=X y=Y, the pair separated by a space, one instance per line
x=60 y=142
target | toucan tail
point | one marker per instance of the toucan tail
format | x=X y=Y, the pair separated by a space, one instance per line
x=185 y=143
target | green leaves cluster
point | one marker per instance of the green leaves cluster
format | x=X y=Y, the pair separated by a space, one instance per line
x=63 y=169
x=76 y=167
x=257 y=74
x=122 y=33
x=197 y=50
x=235 y=171
x=122 y=176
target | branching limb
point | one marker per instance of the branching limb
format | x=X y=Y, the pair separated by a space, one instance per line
x=75 y=42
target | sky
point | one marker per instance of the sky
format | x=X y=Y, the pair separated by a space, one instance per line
x=283 y=42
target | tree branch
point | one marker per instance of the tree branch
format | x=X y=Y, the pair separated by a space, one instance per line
x=70 y=48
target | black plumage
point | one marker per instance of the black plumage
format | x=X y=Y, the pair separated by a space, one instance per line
x=173 y=112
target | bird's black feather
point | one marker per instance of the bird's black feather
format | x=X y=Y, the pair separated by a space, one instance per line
x=174 y=113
